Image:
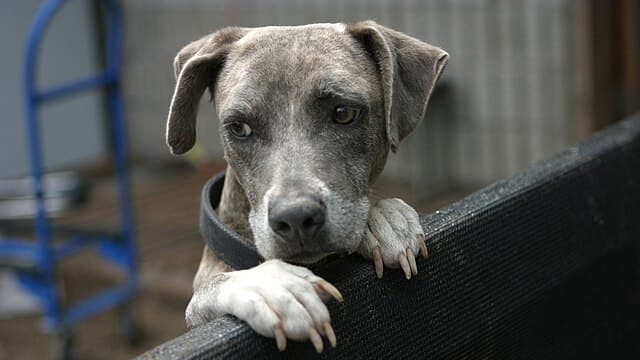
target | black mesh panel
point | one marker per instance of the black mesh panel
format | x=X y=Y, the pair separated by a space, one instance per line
x=540 y=266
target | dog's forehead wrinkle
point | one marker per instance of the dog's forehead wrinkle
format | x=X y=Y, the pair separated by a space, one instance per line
x=310 y=60
x=342 y=88
x=238 y=105
x=292 y=47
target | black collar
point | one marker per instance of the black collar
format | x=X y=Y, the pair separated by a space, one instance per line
x=236 y=251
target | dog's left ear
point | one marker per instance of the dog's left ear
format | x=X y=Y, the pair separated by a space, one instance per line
x=409 y=70
x=196 y=68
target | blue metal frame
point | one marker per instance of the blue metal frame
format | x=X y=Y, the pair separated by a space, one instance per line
x=118 y=248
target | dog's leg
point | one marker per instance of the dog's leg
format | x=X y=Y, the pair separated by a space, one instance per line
x=393 y=237
x=276 y=299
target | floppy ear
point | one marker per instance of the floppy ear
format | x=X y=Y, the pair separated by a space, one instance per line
x=196 y=68
x=409 y=70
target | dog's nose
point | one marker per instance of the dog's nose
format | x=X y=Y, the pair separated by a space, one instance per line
x=298 y=219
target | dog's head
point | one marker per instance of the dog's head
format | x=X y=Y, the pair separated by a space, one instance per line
x=307 y=117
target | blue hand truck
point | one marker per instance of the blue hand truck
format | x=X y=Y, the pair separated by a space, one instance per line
x=35 y=261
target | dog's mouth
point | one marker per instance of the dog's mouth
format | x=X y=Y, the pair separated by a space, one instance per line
x=306 y=258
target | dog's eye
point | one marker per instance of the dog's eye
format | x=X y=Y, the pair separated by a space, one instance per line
x=345 y=114
x=240 y=130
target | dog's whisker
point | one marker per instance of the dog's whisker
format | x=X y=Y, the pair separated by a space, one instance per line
x=376 y=195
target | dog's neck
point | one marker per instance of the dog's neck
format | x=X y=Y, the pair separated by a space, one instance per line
x=234 y=206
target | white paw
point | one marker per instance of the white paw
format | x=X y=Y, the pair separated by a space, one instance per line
x=394 y=237
x=280 y=301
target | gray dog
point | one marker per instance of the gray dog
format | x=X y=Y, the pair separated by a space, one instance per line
x=307 y=117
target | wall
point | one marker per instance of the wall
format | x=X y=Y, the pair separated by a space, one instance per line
x=72 y=128
x=513 y=79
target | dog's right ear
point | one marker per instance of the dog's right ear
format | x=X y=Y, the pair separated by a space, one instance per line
x=409 y=70
x=196 y=68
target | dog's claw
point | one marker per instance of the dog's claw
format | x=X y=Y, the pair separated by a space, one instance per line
x=281 y=339
x=412 y=262
x=328 y=330
x=404 y=264
x=316 y=340
x=330 y=289
x=393 y=237
x=423 y=248
x=377 y=261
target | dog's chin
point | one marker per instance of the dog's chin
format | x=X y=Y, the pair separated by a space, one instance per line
x=299 y=256
x=307 y=258
x=276 y=249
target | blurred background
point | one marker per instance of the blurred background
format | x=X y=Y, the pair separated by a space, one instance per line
x=526 y=79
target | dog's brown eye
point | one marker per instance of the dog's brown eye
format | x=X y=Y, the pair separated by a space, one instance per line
x=345 y=114
x=240 y=130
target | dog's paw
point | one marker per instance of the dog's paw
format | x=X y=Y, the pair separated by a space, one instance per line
x=393 y=237
x=280 y=301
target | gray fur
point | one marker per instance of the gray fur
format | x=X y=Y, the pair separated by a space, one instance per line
x=285 y=82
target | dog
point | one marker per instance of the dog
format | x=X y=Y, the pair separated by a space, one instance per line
x=307 y=116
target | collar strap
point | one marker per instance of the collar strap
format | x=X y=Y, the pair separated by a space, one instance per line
x=236 y=251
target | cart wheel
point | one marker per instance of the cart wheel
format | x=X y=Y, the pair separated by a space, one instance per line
x=61 y=345
x=129 y=329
